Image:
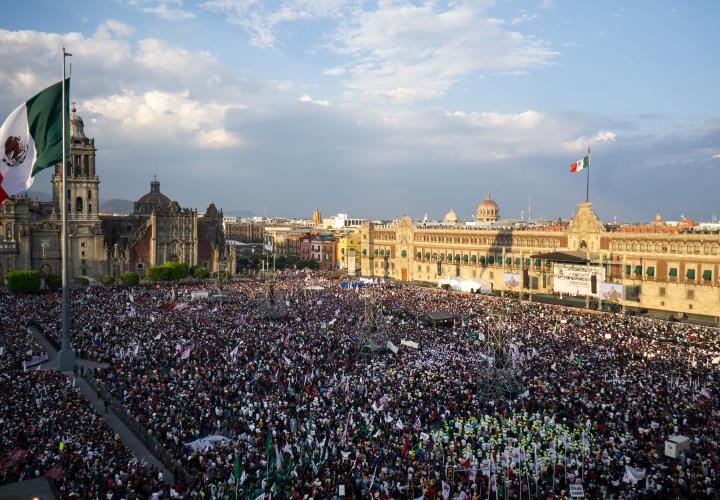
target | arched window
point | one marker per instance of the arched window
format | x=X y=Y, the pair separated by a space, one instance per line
x=79 y=204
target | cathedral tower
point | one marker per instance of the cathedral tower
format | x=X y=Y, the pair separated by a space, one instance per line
x=85 y=242
x=81 y=181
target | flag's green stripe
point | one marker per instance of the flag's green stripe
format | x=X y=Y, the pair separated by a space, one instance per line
x=45 y=125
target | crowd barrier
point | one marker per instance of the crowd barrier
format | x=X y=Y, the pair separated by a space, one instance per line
x=147 y=439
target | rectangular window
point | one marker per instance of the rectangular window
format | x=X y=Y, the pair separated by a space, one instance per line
x=661 y=291
x=690 y=294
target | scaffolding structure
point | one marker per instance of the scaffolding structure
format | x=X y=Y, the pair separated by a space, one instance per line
x=372 y=336
x=273 y=305
x=497 y=375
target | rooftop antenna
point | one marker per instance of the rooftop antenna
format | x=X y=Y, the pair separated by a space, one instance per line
x=529 y=206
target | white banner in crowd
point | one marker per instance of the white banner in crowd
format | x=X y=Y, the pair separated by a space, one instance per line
x=207 y=442
x=409 y=343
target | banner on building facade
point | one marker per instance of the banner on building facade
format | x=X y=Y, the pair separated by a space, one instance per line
x=512 y=280
x=351 y=262
x=612 y=291
x=572 y=279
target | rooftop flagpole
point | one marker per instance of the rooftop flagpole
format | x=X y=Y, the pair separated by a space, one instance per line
x=66 y=356
x=587 y=179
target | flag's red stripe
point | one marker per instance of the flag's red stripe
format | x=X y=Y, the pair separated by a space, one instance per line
x=3 y=194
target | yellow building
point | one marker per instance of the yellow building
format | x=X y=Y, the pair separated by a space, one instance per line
x=669 y=272
x=348 y=252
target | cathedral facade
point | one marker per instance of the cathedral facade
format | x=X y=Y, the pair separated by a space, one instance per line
x=157 y=231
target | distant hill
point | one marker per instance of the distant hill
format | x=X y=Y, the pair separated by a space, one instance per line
x=239 y=213
x=121 y=206
x=116 y=206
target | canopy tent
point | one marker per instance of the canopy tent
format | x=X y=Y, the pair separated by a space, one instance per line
x=568 y=257
x=353 y=284
x=439 y=318
x=467 y=285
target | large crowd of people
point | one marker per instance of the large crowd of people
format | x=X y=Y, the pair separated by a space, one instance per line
x=299 y=406
x=47 y=428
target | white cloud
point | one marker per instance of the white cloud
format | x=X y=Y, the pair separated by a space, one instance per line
x=336 y=71
x=134 y=90
x=262 y=19
x=169 y=13
x=399 y=50
x=307 y=98
x=218 y=138
x=159 y=56
x=717 y=156
x=406 y=52
x=156 y=114
x=168 y=10
x=112 y=27
x=584 y=141
x=523 y=17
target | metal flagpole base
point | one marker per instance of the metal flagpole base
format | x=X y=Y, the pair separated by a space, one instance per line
x=66 y=360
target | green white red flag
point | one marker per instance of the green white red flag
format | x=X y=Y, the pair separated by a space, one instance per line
x=31 y=139
x=581 y=164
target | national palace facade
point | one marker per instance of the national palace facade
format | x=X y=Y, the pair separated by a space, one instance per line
x=673 y=272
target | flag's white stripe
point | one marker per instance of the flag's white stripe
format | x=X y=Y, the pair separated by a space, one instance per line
x=19 y=177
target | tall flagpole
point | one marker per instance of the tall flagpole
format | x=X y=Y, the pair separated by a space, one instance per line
x=587 y=179
x=66 y=356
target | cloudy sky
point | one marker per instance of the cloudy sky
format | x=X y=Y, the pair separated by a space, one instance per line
x=377 y=108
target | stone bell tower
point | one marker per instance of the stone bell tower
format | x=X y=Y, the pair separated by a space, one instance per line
x=85 y=242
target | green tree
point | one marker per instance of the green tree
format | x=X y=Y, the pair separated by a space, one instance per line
x=130 y=278
x=23 y=281
x=200 y=272
x=53 y=281
x=106 y=279
x=80 y=281
x=157 y=273
x=308 y=264
x=177 y=270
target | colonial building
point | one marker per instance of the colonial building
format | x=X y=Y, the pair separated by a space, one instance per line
x=160 y=231
x=246 y=231
x=157 y=231
x=672 y=273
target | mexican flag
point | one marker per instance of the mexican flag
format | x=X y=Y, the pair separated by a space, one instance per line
x=31 y=139
x=581 y=164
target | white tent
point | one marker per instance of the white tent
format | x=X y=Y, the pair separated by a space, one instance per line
x=467 y=285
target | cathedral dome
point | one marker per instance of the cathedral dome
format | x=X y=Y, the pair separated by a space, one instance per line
x=154 y=200
x=487 y=210
x=450 y=217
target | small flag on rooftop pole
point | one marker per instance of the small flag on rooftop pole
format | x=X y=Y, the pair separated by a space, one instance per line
x=581 y=164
